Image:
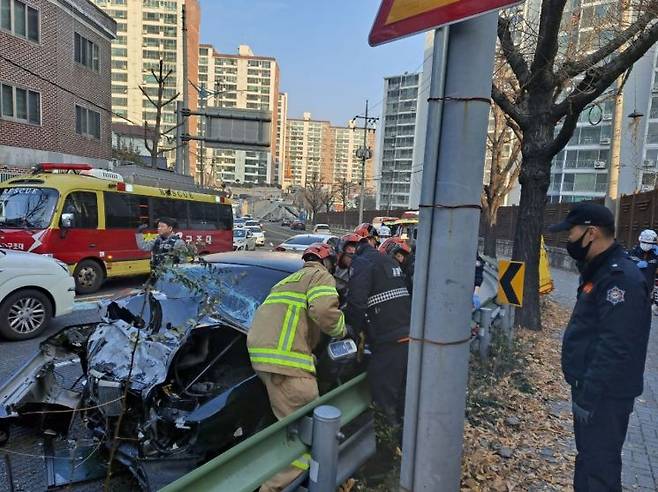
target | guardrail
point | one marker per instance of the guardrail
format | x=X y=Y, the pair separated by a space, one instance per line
x=244 y=467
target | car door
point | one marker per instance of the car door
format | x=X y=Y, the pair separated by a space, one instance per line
x=77 y=237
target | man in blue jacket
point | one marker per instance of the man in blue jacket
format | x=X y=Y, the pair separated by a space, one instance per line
x=605 y=345
x=645 y=257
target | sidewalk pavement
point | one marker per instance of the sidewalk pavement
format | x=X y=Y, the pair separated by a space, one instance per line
x=640 y=454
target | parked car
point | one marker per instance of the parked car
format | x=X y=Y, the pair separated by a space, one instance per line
x=238 y=223
x=321 y=229
x=243 y=240
x=301 y=241
x=298 y=225
x=285 y=223
x=252 y=223
x=191 y=392
x=258 y=233
x=33 y=289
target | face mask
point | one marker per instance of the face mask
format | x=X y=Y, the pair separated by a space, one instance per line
x=646 y=246
x=576 y=249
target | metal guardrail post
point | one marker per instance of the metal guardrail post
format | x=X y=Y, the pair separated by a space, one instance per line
x=324 y=451
x=485 y=332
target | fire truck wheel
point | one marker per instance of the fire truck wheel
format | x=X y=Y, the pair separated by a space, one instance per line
x=89 y=277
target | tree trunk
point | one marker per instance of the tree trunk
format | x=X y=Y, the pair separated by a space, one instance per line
x=534 y=179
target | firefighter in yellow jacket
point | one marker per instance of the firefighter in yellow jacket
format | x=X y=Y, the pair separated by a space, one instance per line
x=285 y=330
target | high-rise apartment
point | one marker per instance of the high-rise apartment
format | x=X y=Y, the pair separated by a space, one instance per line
x=280 y=149
x=396 y=144
x=244 y=81
x=316 y=148
x=149 y=31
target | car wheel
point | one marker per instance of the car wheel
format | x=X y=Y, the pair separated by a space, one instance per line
x=89 y=277
x=25 y=314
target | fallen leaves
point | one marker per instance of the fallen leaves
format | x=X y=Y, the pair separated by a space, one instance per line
x=518 y=431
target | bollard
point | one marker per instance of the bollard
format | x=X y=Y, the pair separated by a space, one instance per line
x=485 y=332
x=324 y=451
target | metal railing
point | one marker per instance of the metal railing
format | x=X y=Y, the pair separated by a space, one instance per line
x=246 y=466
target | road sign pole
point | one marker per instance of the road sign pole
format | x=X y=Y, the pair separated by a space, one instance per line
x=449 y=217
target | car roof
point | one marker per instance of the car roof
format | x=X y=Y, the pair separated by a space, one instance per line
x=321 y=225
x=284 y=262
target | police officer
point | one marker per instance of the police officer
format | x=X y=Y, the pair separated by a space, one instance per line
x=645 y=257
x=399 y=250
x=604 y=346
x=165 y=249
x=379 y=304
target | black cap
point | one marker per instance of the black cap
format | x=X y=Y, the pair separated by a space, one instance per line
x=587 y=214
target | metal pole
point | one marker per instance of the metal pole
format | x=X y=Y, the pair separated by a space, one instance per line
x=449 y=217
x=202 y=123
x=186 y=96
x=179 y=141
x=363 y=165
x=612 y=196
x=324 y=451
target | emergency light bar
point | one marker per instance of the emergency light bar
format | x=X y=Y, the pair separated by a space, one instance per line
x=50 y=166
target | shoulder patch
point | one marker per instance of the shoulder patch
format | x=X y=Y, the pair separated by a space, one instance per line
x=615 y=295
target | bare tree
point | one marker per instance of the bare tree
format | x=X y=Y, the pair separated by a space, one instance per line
x=558 y=71
x=152 y=142
x=344 y=189
x=316 y=194
x=504 y=149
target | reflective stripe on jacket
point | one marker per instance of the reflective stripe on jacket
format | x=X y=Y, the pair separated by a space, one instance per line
x=287 y=325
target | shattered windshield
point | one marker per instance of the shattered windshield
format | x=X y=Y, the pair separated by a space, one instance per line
x=240 y=289
x=27 y=207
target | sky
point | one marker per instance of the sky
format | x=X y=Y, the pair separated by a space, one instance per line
x=327 y=66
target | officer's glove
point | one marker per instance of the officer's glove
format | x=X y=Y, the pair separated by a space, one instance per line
x=142 y=228
x=580 y=414
x=476 y=301
x=642 y=264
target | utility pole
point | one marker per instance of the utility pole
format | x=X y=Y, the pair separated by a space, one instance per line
x=364 y=153
x=202 y=124
x=179 y=140
x=186 y=97
x=458 y=117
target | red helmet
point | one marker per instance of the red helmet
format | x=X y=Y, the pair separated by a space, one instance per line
x=366 y=230
x=352 y=237
x=394 y=245
x=320 y=250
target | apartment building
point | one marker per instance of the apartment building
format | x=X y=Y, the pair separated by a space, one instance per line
x=246 y=81
x=396 y=145
x=316 y=148
x=280 y=149
x=149 y=31
x=55 y=94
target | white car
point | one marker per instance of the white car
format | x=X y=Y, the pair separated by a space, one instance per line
x=33 y=289
x=321 y=229
x=302 y=241
x=258 y=234
x=243 y=240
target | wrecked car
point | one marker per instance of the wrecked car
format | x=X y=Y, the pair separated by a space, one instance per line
x=166 y=370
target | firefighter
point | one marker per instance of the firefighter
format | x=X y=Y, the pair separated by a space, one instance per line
x=645 y=257
x=285 y=330
x=399 y=250
x=379 y=304
x=165 y=249
x=346 y=250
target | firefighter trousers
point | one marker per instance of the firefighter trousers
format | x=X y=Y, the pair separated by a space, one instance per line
x=287 y=394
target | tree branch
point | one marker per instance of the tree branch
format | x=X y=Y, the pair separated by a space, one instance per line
x=574 y=67
x=598 y=79
x=547 y=41
x=147 y=96
x=562 y=138
x=513 y=56
x=503 y=101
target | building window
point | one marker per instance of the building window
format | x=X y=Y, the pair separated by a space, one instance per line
x=19 y=19
x=86 y=53
x=87 y=122
x=18 y=104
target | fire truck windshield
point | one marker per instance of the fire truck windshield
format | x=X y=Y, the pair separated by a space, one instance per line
x=27 y=207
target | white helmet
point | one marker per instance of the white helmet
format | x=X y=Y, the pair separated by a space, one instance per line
x=648 y=236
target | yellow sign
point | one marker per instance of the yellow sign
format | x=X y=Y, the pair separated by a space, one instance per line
x=404 y=9
x=545 y=280
x=511 y=277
